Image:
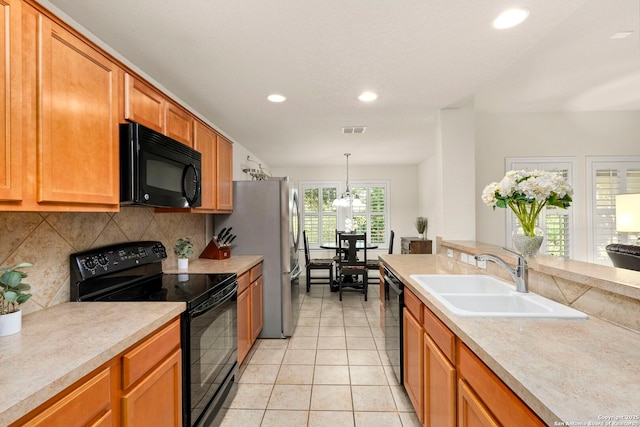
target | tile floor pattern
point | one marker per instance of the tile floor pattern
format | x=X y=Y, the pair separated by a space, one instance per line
x=332 y=372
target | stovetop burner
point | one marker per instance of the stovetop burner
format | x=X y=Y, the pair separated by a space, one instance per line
x=133 y=272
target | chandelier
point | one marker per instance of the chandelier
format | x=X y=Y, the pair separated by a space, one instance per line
x=347 y=198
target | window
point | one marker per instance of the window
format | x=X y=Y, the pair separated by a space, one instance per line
x=321 y=218
x=372 y=216
x=609 y=176
x=557 y=223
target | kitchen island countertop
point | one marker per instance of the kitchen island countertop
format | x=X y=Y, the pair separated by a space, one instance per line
x=566 y=371
x=59 y=345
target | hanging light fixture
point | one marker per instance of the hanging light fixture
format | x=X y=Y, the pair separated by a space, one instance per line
x=347 y=199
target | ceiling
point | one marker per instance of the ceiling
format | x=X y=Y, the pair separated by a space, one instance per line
x=224 y=57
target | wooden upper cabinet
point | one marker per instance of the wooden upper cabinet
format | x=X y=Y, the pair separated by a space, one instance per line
x=225 y=174
x=68 y=120
x=178 y=124
x=145 y=105
x=204 y=141
x=10 y=141
x=78 y=150
x=217 y=169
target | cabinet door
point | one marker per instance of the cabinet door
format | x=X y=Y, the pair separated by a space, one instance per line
x=157 y=399
x=204 y=141
x=256 y=309
x=178 y=124
x=143 y=104
x=440 y=386
x=471 y=410
x=87 y=405
x=412 y=337
x=225 y=174
x=10 y=111
x=244 y=324
x=77 y=138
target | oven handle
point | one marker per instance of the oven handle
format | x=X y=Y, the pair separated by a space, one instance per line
x=212 y=303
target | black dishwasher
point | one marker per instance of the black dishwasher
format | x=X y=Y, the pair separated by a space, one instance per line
x=393 y=305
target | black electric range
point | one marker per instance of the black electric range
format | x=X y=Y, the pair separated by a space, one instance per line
x=132 y=271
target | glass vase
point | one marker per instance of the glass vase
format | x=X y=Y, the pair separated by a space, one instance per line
x=528 y=245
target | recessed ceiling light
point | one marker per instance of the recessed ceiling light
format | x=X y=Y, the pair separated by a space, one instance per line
x=276 y=98
x=621 y=35
x=368 y=96
x=510 y=18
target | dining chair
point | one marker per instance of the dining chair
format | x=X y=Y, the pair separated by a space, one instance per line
x=350 y=265
x=339 y=253
x=315 y=264
x=374 y=264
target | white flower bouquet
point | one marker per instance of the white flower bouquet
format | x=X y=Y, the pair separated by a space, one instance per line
x=526 y=193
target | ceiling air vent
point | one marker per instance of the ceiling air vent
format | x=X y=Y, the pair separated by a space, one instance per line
x=354 y=129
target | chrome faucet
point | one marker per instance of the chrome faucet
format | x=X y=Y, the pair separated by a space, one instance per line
x=520 y=274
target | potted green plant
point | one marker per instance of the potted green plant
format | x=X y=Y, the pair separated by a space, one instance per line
x=11 y=297
x=421 y=226
x=184 y=250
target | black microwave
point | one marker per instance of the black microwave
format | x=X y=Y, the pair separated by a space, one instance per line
x=156 y=170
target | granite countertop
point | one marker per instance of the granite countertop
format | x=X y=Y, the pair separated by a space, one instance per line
x=566 y=371
x=235 y=264
x=59 y=345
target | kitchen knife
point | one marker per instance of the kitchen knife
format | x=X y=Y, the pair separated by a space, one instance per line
x=219 y=236
x=226 y=234
x=227 y=239
x=231 y=240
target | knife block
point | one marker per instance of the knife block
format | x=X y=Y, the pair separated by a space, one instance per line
x=213 y=251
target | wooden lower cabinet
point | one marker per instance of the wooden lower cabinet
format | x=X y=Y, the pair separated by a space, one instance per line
x=89 y=403
x=440 y=386
x=250 y=316
x=413 y=355
x=138 y=388
x=500 y=401
x=471 y=410
x=447 y=383
x=244 y=324
x=140 y=405
x=256 y=308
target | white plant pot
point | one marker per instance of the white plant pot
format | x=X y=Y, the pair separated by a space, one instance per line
x=183 y=263
x=10 y=323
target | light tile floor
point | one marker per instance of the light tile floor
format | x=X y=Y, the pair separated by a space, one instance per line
x=332 y=372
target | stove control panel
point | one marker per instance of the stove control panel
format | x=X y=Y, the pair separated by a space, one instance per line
x=115 y=258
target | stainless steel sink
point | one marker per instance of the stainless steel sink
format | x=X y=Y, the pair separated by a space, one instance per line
x=487 y=296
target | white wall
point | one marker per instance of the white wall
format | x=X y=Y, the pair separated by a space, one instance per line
x=547 y=134
x=447 y=177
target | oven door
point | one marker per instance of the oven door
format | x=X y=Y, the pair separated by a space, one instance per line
x=210 y=357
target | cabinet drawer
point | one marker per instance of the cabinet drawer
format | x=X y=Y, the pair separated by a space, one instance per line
x=439 y=333
x=413 y=304
x=244 y=280
x=148 y=354
x=256 y=271
x=507 y=408
x=80 y=407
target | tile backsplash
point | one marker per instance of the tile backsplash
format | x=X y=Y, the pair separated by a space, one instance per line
x=47 y=239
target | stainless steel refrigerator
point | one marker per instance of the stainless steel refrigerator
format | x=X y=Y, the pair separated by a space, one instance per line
x=266 y=221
